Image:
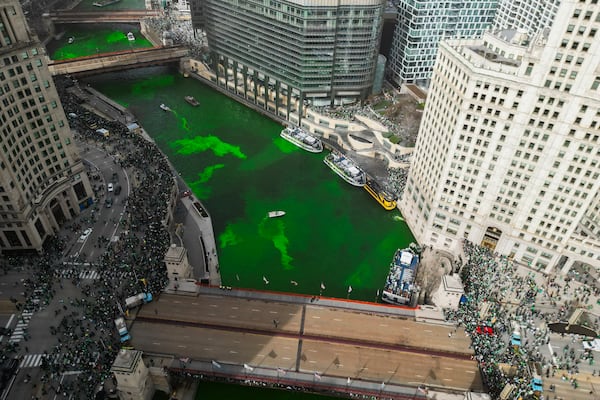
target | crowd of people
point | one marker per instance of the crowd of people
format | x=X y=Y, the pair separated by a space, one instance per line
x=84 y=328
x=501 y=298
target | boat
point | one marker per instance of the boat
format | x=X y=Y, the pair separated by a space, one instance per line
x=400 y=285
x=71 y=40
x=130 y=36
x=275 y=214
x=346 y=168
x=104 y=3
x=383 y=197
x=192 y=100
x=164 y=107
x=302 y=139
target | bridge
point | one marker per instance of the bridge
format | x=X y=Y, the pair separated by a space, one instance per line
x=297 y=340
x=78 y=17
x=119 y=60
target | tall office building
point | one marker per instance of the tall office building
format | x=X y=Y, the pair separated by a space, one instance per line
x=420 y=27
x=526 y=15
x=508 y=152
x=42 y=179
x=320 y=51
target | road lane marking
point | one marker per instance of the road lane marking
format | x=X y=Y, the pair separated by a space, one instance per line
x=181 y=346
x=470 y=372
x=235 y=308
x=232 y=352
x=427 y=330
x=207 y=349
x=285 y=358
x=386 y=325
x=446 y=379
x=312 y=350
x=233 y=316
x=312 y=362
x=273 y=312
x=213 y=305
x=236 y=341
x=316 y=317
x=156 y=343
x=448 y=368
x=176 y=301
x=339 y=320
x=194 y=304
x=292 y=314
x=212 y=314
x=255 y=310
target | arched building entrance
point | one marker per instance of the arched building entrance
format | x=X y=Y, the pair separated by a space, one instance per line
x=491 y=237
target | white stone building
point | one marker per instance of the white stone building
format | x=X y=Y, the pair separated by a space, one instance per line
x=508 y=152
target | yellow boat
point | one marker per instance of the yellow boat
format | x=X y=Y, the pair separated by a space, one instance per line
x=384 y=198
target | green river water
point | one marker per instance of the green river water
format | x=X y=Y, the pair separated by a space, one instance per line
x=237 y=165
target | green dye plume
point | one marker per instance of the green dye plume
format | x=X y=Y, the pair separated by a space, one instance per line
x=199 y=144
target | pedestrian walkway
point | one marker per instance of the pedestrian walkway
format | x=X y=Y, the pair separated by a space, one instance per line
x=36 y=360
x=20 y=330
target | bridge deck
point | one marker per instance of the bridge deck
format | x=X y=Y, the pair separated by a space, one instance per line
x=306 y=338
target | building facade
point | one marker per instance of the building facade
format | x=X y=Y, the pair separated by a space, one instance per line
x=43 y=182
x=526 y=15
x=420 y=27
x=315 y=52
x=508 y=152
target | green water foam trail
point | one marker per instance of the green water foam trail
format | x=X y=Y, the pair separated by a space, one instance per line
x=198 y=144
x=274 y=230
x=228 y=237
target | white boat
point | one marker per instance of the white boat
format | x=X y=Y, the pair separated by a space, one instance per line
x=302 y=139
x=346 y=168
x=275 y=214
x=130 y=37
x=164 y=107
x=400 y=285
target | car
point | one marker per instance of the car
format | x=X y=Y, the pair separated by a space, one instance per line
x=486 y=330
x=85 y=234
x=117 y=190
x=108 y=202
x=110 y=187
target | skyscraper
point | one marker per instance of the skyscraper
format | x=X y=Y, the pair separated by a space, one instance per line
x=527 y=15
x=323 y=52
x=42 y=179
x=420 y=27
x=508 y=152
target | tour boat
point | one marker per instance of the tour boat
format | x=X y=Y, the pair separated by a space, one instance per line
x=400 y=285
x=386 y=199
x=130 y=36
x=164 y=107
x=275 y=214
x=192 y=100
x=302 y=139
x=346 y=168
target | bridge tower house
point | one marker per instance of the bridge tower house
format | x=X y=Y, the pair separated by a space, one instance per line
x=132 y=375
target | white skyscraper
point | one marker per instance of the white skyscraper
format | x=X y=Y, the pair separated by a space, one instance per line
x=508 y=152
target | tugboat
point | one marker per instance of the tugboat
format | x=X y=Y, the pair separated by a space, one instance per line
x=345 y=168
x=302 y=139
x=399 y=285
x=164 y=107
x=191 y=100
x=386 y=199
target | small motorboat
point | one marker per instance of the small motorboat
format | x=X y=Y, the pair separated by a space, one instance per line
x=191 y=100
x=164 y=107
x=275 y=214
x=71 y=40
x=130 y=36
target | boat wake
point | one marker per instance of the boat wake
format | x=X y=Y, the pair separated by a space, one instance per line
x=398 y=218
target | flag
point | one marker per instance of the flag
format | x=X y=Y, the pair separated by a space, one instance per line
x=281 y=371
x=317 y=376
x=322 y=286
x=248 y=368
x=382 y=385
x=377 y=292
x=349 y=289
x=216 y=364
x=265 y=279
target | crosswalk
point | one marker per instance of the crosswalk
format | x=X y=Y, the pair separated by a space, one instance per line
x=35 y=360
x=86 y=274
x=20 y=330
